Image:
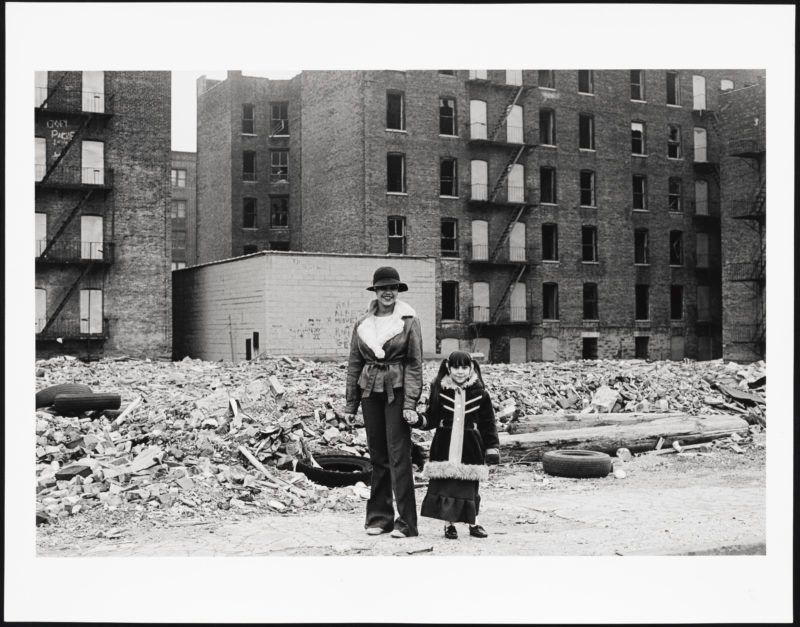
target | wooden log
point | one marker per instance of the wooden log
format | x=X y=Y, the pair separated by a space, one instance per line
x=128 y=410
x=544 y=422
x=635 y=437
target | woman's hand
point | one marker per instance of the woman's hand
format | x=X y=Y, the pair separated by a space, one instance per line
x=411 y=416
x=348 y=418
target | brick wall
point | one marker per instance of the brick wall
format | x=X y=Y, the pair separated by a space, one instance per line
x=300 y=304
x=215 y=169
x=187 y=226
x=136 y=286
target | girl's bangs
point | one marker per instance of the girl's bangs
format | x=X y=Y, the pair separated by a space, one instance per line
x=459 y=358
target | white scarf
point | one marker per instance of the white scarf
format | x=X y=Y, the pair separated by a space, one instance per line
x=368 y=331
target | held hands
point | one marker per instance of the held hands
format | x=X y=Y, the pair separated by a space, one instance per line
x=410 y=416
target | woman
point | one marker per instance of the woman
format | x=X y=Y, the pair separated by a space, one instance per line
x=384 y=374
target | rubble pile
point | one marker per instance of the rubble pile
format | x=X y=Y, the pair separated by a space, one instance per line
x=199 y=438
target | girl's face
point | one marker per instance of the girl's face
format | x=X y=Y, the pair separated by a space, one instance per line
x=460 y=374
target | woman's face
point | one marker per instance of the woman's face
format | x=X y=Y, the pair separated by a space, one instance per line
x=460 y=374
x=387 y=295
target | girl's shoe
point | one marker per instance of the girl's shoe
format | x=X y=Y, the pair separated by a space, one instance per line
x=476 y=531
x=376 y=531
x=450 y=532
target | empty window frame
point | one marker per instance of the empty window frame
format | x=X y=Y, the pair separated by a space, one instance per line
x=479 y=173
x=249 y=213
x=675 y=194
x=550 y=242
x=725 y=84
x=448 y=177
x=40 y=88
x=698 y=92
x=40 y=157
x=477 y=75
x=41 y=308
x=590 y=309
x=638 y=146
x=641 y=347
x=248 y=165
x=92 y=237
x=449 y=237
x=40 y=232
x=676 y=302
x=546 y=79
x=547 y=185
x=639 y=182
x=587 y=188
x=547 y=127
x=513 y=77
x=514 y=130
x=279 y=166
x=673 y=89
x=642 y=306
x=641 y=246
x=585 y=81
x=396 y=172
x=674 y=141
x=178 y=265
x=179 y=243
x=550 y=301
x=447 y=117
x=93 y=91
x=178 y=209
x=676 y=248
x=279 y=122
x=589 y=348
x=248 y=119
x=586 y=131
x=397 y=235
x=589 y=243
x=279 y=212
x=178 y=178
x=395 y=111
x=450 y=300
x=637 y=85
x=249 y=249
x=279 y=245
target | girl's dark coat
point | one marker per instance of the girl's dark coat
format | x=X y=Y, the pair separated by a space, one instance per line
x=480 y=431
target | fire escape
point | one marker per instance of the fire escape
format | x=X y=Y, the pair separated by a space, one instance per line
x=76 y=260
x=500 y=254
x=753 y=273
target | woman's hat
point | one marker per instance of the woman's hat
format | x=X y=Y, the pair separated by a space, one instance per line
x=386 y=275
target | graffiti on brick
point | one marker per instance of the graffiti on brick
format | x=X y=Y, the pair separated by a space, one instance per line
x=59 y=131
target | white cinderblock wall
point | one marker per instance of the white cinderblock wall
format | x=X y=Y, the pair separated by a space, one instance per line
x=301 y=304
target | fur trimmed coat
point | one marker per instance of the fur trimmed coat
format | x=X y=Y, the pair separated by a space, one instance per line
x=480 y=430
x=392 y=353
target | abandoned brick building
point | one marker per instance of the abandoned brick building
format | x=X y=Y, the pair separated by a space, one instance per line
x=102 y=155
x=183 y=207
x=572 y=213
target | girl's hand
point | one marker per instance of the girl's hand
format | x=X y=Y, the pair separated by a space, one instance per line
x=410 y=416
x=492 y=456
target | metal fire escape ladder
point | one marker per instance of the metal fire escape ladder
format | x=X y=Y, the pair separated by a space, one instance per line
x=506 y=233
x=66 y=297
x=506 y=293
x=504 y=175
x=84 y=123
x=506 y=113
x=55 y=90
x=51 y=242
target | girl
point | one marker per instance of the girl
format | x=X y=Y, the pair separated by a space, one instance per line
x=460 y=409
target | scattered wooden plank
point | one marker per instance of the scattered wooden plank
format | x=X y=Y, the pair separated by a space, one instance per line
x=543 y=422
x=635 y=437
x=128 y=411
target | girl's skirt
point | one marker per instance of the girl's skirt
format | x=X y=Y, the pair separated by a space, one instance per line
x=452 y=500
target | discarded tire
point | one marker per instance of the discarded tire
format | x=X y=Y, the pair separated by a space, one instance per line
x=45 y=397
x=337 y=470
x=576 y=463
x=76 y=403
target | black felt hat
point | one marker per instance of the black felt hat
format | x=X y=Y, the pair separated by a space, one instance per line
x=386 y=275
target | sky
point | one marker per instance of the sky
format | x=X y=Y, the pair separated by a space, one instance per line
x=184 y=101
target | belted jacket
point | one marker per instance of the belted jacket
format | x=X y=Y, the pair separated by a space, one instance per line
x=386 y=359
x=465 y=430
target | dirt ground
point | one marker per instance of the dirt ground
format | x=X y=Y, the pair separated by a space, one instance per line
x=692 y=503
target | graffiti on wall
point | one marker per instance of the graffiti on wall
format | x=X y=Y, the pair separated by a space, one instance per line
x=334 y=328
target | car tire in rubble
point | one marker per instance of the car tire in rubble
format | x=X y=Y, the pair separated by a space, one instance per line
x=76 y=403
x=576 y=463
x=45 y=397
x=337 y=470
